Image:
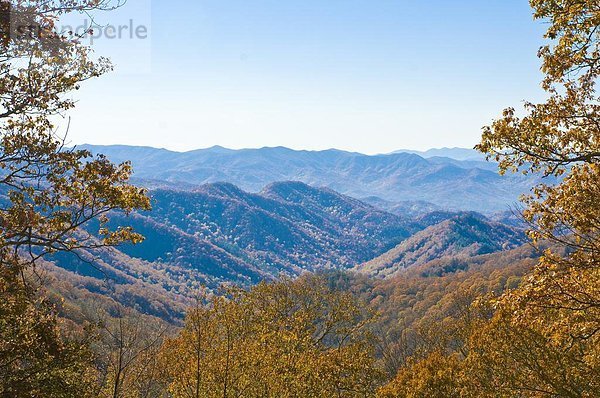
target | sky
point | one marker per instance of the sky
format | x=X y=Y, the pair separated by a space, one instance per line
x=367 y=76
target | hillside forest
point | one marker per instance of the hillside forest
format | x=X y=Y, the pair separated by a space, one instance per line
x=125 y=287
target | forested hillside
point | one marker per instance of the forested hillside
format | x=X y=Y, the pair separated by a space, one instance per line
x=463 y=235
x=221 y=234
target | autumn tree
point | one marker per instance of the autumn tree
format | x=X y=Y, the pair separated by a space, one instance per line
x=286 y=339
x=49 y=194
x=544 y=337
x=438 y=375
x=437 y=366
x=36 y=360
x=552 y=334
x=127 y=354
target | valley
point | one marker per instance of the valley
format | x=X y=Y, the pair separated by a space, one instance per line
x=217 y=233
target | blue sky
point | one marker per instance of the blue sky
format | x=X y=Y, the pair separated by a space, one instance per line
x=368 y=76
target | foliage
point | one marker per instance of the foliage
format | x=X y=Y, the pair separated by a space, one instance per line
x=465 y=234
x=561 y=300
x=35 y=358
x=292 y=338
x=544 y=338
x=452 y=327
x=51 y=192
x=438 y=375
x=514 y=358
x=49 y=195
x=127 y=355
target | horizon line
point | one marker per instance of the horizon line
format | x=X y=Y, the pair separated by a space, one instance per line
x=402 y=150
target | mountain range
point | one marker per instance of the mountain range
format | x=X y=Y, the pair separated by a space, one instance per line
x=467 y=183
x=218 y=233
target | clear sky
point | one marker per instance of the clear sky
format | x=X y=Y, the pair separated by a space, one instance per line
x=369 y=76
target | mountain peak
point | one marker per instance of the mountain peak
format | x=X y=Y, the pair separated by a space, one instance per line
x=302 y=193
x=455 y=153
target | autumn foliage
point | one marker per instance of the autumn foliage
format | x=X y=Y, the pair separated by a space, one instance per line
x=510 y=324
x=543 y=339
x=293 y=338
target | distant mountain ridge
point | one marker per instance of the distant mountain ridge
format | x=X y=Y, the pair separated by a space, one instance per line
x=452 y=153
x=400 y=177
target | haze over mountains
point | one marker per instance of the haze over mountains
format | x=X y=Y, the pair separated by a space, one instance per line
x=457 y=184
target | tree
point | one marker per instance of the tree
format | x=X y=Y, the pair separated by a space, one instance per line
x=127 y=351
x=557 y=310
x=36 y=359
x=438 y=365
x=285 y=339
x=544 y=337
x=51 y=193
x=51 y=198
x=438 y=375
x=511 y=358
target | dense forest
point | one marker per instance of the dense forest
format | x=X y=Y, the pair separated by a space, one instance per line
x=445 y=310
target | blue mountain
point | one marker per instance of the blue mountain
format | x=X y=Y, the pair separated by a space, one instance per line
x=400 y=177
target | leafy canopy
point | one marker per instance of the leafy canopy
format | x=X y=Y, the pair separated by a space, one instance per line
x=286 y=339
